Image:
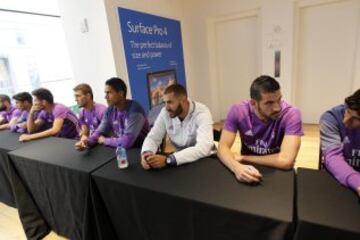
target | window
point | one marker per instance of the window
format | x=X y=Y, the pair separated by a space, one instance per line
x=33 y=54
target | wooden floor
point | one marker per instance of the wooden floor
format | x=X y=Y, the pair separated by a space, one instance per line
x=11 y=229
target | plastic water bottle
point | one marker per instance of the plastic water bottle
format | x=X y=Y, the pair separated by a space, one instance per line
x=121 y=157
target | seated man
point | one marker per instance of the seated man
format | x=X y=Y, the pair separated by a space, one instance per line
x=24 y=104
x=91 y=113
x=189 y=127
x=124 y=123
x=8 y=113
x=269 y=128
x=54 y=119
x=339 y=140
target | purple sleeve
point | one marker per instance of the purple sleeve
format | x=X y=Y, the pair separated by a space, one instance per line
x=16 y=113
x=101 y=129
x=20 y=122
x=231 y=119
x=60 y=112
x=332 y=151
x=293 y=123
x=133 y=127
x=13 y=128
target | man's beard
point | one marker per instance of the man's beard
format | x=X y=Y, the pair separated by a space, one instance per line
x=273 y=116
x=177 y=112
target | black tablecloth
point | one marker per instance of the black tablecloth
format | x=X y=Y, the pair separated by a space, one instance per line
x=8 y=142
x=326 y=210
x=201 y=200
x=52 y=187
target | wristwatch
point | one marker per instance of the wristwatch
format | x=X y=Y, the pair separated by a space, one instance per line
x=170 y=161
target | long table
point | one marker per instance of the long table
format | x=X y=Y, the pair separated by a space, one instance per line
x=52 y=187
x=201 y=200
x=326 y=210
x=9 y=141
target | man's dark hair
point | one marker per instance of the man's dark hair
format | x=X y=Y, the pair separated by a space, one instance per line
x=85 y=89
x=353 y=101
x=263 y=84
x=23 y=96
x=5 y=98
x=177 y=89
x=117 y=84
x=43 y=94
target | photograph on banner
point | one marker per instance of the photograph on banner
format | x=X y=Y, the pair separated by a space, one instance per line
x=157 y=83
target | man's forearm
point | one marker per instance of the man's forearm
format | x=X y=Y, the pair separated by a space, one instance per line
x=44 y=134
x=271 y=160
x=31 y=126
x=227 y=157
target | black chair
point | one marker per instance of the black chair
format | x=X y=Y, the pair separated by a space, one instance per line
x=217 y=134
x=321 y=161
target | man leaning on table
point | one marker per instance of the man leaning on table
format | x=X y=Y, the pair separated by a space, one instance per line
x=270 y=131
x=340 y=141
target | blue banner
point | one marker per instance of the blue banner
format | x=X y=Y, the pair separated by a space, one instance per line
x=154 y=55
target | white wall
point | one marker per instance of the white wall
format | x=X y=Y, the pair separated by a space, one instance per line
x=99 y=54
x=91 y=52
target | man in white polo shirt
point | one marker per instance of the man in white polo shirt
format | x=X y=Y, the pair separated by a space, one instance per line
x=189 y=127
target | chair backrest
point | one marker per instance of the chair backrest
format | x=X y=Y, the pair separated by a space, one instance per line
x=321 y=160
x=217 y=134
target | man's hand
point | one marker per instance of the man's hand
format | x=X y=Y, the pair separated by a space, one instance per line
x=144 y=163
x=84 y=138
x=34 y=109
x=101 y=140
x=358 y=191
x=247 y=173
x=156 y=161
x=81 y=145
x=25 y=137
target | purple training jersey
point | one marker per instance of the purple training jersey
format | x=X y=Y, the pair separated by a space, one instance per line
x=12 y=113
x=262 y=137
x=127 y=128
x=70 y=128
x=93 y=117
x=20 y=125
x=340 y=147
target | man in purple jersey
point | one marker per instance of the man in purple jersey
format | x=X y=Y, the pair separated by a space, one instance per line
x=8 y=113
x=57 y=119
x=270 y=130
x=340 y=141
x=23 y=102
x=124 y=123
x=91 y=113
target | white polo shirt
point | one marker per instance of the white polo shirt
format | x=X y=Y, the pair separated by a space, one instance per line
x=192 y=137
